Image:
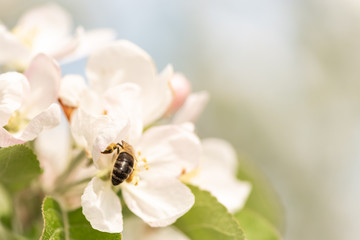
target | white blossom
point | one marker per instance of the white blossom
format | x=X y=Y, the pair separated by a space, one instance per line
x=155 y=194
x=28 y=101
x=47 y=29
x=217 y=174
x=120 y=66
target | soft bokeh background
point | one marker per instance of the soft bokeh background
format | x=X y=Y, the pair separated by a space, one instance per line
x=284 y=79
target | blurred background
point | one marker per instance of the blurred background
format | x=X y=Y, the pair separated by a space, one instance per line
x=284 y=80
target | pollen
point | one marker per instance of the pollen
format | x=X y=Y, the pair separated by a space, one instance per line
x=133 y=178
x=146 y=166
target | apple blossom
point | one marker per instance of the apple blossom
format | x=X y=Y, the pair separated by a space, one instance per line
x=119 y=63
x=217 y=174
x=181 y=89
x=28 y=101
x=46 y=29
x=155 y=195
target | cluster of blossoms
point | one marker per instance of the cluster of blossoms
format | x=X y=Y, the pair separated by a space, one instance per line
x=122 y=99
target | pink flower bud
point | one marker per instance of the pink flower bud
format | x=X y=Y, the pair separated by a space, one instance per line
x=181 y=89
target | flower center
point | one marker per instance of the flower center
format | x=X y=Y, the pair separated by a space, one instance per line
x=26 y=37
x=128 y=163
x=16 y=123
x=141 y=164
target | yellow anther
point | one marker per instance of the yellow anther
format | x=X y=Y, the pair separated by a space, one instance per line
x=136 y=180
x=146 y=166
x=187 y=176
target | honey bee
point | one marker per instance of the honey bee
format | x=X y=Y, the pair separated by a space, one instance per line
x=125 y=162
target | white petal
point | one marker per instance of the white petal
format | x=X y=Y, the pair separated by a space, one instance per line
x=86 y=127
x=52 y=148
x=44 y=77
x=91 y=102
x=181 y=89
x=192 y=107
x=89 y=41
x=46 y=26
x=70 y=90
x=44 y=120
x=67 y=47
x=124 y=99
x=229 y=191
x=220 y=153
x=7 y=139
x=101 y=207
x=135 y=229
x=217 y=174
x=11 y=48
x=113 y=133
x=158 y=201
x=157 y=97
x=123 y=61
x=13 y=87
x=96 y=132
x=123 y=95
x=119 y=62
x=170 y=149
x=166 y=233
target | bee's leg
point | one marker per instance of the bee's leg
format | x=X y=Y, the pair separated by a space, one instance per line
x=112 y=147
x=118 y=147
x=133 y=178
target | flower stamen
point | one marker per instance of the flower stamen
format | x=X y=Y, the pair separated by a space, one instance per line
x=146 y=166
x=16 y=122
x=134 y=178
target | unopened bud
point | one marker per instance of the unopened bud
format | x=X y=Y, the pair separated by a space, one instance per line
x=181 y=89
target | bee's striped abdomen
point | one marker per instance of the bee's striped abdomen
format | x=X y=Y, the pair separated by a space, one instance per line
x=123 y=167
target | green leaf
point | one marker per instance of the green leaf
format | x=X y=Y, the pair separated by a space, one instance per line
x=59 y=224
x=5 y=203
x=80 y=228
x=18 y=167
x=255 y=226
x=54 y=220
x=263 y=199
x=208 y=219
